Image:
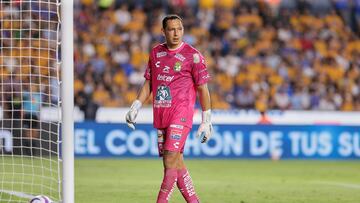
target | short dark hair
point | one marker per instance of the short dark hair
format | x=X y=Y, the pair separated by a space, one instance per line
x=170 y=17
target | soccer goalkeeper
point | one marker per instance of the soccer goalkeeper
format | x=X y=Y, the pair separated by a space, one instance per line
x=175 y=72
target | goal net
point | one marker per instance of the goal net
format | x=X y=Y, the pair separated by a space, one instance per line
x=30 y=159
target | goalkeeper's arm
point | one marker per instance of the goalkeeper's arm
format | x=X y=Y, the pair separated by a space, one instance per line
x=143 y=95
x=205 y=128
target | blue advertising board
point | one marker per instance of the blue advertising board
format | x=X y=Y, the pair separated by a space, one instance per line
x=228 y=141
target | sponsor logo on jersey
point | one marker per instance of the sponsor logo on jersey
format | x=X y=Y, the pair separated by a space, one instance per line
x=175 y=137
x=157 y=64
x=163 y=97
x=165 y=78
x=166 y=69
x=183 y=119
x=161 y=54
x=180 y=57
x=175 y=132
x=163 y=93
x=196 y=58
x=162 y=104
x=176 y=145
x=176 y=126
x=177 y=66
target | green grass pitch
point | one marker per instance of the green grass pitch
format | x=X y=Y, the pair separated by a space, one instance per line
x=216 y=181
x=221 y=181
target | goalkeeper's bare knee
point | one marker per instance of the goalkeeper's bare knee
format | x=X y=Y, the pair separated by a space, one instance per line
x=171 y=159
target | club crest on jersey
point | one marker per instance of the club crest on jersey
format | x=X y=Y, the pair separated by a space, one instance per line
x=177 y=66
x=180 y=57
x=161 y=54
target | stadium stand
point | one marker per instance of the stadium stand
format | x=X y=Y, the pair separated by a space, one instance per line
x=28 y=53
x=301 y=55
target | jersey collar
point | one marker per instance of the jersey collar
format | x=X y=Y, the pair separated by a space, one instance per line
x=176 y=49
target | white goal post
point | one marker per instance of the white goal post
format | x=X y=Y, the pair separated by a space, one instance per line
x=36 y=73
x=68 y=100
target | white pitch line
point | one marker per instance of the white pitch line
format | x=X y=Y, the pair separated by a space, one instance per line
x=19 y=194
x=339 y=184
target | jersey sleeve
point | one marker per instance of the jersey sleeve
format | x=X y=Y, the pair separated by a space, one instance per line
x=199 y=71
x=147 y=74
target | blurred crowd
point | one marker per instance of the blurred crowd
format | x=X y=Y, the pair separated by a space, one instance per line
x=301 y=55
x=262 y=54
x=28 y=57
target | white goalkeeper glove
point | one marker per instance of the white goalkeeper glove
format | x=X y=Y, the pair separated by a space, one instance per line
x=205 y=128
x=132 y=113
